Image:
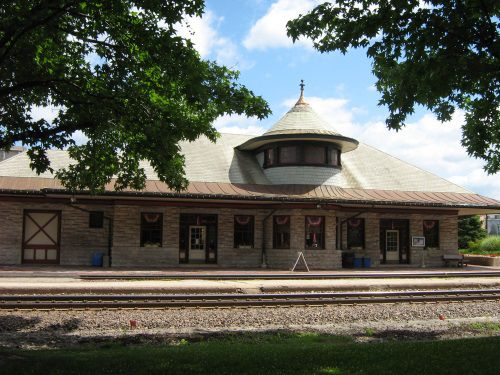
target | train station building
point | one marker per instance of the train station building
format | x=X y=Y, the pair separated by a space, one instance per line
x=252 y=201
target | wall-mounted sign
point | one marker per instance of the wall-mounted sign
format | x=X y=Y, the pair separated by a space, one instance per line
x=417 y=241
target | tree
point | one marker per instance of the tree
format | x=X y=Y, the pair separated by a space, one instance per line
x=119 y=73
x=470 y=229
x=442 y=55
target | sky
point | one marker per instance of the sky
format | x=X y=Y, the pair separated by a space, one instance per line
x=250 y=36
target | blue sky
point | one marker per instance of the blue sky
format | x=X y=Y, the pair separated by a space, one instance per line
x=249 y=35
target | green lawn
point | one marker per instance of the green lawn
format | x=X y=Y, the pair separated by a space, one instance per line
x=266 y=354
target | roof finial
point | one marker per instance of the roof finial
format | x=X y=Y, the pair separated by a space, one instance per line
x=301 y=99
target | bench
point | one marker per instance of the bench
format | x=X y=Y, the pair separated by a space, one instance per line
x=458 y=258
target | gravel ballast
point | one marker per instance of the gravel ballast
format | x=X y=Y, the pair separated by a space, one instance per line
x=63 y=328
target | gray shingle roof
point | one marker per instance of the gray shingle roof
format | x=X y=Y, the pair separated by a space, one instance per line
x=363 y=168
x=303 y=124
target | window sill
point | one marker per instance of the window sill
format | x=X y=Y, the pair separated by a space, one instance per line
x=301 y=165
x=244 y=247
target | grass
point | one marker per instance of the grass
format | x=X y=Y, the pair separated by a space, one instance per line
x=265 y=354
x=487 y=326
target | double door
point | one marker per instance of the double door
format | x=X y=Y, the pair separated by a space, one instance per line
x=41 y=236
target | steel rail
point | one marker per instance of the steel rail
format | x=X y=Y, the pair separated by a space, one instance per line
x=238 y=300
x=295 y=276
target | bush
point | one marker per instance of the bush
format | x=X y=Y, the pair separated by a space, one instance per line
x=490 y=244
x=470 y=229
x=474 y=246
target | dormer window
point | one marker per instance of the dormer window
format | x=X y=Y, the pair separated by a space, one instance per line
x=288 y=155
x=269 y=157
x=315 y=154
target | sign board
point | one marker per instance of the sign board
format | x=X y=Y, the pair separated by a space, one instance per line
x=417 y=241
x=300 y=255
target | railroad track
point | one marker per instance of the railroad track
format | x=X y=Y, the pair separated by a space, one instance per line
x=20 y=302
x=294 y=276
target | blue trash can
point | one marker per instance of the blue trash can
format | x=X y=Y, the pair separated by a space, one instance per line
x=358 y=262
x=367 y=262
x=97 y=259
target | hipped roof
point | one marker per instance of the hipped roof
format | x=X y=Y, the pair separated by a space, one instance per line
x=219 y=171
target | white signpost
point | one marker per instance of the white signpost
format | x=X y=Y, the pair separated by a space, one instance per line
x=417 y=241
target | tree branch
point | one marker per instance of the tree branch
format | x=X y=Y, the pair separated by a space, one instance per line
x=10 y=40
x=5 y=91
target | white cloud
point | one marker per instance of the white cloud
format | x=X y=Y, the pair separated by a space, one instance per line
x=238 y=124
x=48 y=113
x=434 y=147
x=205 y=35
x=201 y=31
x=79 y=137
x=270 y=30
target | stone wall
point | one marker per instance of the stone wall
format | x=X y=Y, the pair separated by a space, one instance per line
x=448 y=236
x=79 y=242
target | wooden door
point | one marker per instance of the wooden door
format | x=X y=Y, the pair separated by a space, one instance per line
x=41 y=236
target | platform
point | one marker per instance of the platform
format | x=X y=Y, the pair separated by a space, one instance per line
x=20 y=279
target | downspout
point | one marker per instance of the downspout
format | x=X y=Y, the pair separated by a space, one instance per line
x=110 y=239
x=264 y=255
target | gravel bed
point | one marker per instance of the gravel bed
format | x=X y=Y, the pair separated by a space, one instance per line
x=60 y=328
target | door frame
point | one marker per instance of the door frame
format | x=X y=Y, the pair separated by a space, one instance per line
x=210 y=221
x=398 y=247
x=403 y=226
x=56 y=246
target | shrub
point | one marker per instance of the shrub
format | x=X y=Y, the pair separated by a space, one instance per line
x=473 y=246
x=490 y=244
x=470 y=229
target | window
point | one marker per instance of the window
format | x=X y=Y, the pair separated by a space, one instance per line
x=151 y=229
x=243 y=231
x=355 y=233
x=281 y=232
x=333 y=157
x=96 y=219
x=269 y=157
x=314 y=154
x=288 y=155
x=315 y=232
x=431 y=233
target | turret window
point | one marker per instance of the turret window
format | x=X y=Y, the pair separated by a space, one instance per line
x=315 y=154
x=301 y=154
x=288 y=155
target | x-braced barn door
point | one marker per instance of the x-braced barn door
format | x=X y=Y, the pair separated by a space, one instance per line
x=41 y=236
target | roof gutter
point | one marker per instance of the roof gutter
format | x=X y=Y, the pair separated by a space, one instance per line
x=174 y=195
x=279 y=198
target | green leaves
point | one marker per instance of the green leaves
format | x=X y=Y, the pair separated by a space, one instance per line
x=442 y=55
x=122 y=77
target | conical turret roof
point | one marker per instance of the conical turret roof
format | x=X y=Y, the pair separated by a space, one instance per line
x=301 y=123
